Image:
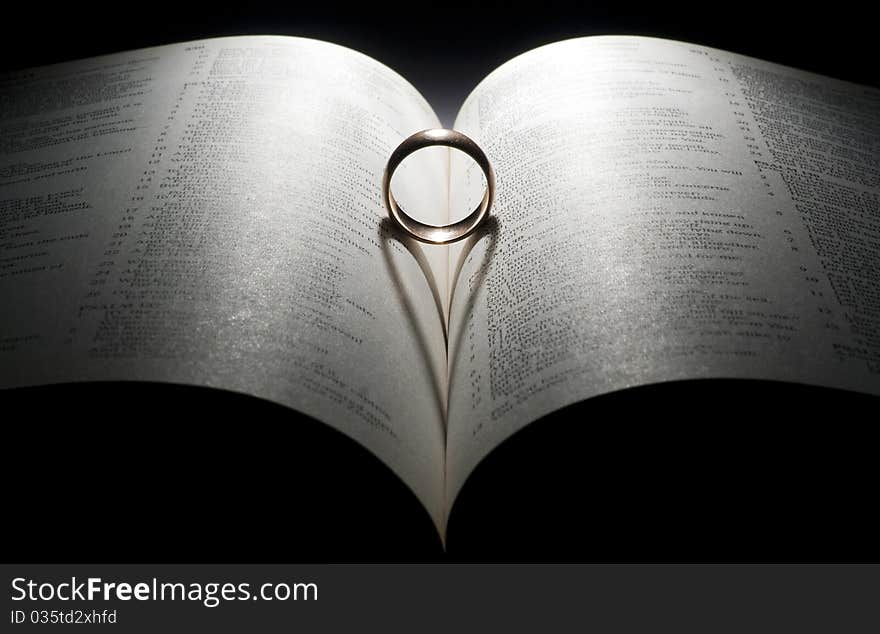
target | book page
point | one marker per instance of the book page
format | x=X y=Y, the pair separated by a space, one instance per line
x=665 y=211
x=210 y=213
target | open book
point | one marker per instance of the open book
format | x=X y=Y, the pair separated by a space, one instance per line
x=209 y=214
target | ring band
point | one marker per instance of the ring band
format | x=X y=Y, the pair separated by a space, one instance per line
x=430 y=233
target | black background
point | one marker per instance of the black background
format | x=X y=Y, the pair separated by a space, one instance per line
x=706 y=471
x=444 y=49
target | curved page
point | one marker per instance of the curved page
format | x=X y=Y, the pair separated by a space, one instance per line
x=667 y=211
x=209 y=213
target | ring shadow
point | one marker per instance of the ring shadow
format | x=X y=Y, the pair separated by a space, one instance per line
x=490 y=228
x=389 y=233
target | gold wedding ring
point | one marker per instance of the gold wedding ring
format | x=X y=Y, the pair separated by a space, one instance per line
x=431 y=233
